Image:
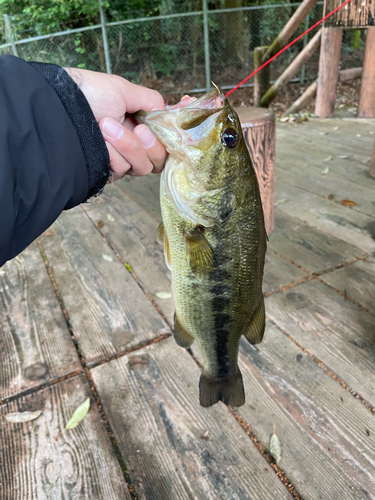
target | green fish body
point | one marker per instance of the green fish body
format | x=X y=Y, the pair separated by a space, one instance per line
x=214 y=237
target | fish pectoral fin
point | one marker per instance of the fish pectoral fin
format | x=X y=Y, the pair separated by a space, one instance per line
x=198 y=251
x=255 y=330
x=160 y=233
x=162 y=239
x=230 y=391
x=181 y=336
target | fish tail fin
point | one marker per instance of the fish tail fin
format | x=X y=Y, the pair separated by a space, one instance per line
x=230 y=391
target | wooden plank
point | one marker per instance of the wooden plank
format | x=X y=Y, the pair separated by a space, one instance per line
x=278 y=272
x=333 y=187
x=36 y=345
x=356 y=14
x=366 y=108
x=357 y=281
x=321 y=427
x=39 y=462
x=372 y=164
x=134 y=236
x=107 y=309
x=145 y=191
x=331 y=328
x=341 y=222
x=328 y=71
x=307 y=247
x=161 y=434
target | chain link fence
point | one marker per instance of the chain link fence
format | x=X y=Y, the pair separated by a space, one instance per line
x=179 y=52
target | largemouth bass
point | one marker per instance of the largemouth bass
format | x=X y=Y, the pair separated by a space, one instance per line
x=214 y=237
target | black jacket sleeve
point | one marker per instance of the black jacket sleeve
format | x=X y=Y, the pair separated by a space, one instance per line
x=52 y=154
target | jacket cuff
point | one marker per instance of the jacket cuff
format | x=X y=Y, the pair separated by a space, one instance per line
x=93 y=146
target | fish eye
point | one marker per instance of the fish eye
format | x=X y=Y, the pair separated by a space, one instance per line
x=229 y=137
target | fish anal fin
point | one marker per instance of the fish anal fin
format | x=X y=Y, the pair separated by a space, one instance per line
x=230 y=391
x=255 y=330
x=198 y=251
x=181 y=336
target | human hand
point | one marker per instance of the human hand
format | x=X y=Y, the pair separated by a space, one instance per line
x=133 y=149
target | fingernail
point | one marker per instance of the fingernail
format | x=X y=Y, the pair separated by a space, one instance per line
x=146 y=137
x=112 y=128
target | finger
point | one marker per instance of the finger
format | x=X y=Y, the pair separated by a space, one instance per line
x=127 y=145
x=137 y=97
x=155 y=150
x=119 y=166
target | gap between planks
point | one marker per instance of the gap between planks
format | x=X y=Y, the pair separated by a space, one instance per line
x=86 y=370
x=325 y=368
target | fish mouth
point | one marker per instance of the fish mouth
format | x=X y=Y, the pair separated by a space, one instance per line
x=190 y=123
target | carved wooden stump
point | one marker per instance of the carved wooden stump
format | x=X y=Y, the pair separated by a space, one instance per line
x=372 y=164
x=258 y=126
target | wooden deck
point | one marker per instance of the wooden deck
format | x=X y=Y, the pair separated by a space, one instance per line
x=82 y=316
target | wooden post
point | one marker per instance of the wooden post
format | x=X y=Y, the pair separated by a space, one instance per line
x=372 y=164
x=309 y=94
x=291 y=26
x=366 y=108
x=258 y=127
x=261 y=79
x=328 y=72
x=292 y=69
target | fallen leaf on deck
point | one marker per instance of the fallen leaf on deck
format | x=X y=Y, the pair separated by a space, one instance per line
x=335 y=128
x=330 y=196
x=281 y=201
x=78 y=415
x=48 y=233
x=204 y=435
x=358 y=135
x=371 y=133
x=108 y=258
x=343 y=157
x=325 y=171
x=329 y=158
x=275 y=447
x=323 y=133
x=285 y=119
x=348 y=203
x=111 y=218
x=100 y=224
x=164 y=295
x=365 y=161
x=128 y=267
x=24 y=416
x=2 y=273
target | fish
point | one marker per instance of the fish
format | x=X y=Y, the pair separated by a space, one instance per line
x=214 y=237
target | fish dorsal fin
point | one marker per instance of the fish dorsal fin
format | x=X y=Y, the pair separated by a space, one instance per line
x=255 y=329
x=162 y=238
x=198 y=251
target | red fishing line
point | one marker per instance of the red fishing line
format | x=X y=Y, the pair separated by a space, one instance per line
x=285 y=48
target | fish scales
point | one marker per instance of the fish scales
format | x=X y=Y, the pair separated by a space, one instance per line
x=214 y=238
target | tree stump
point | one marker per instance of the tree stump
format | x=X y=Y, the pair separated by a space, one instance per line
x=372 y=164
x=258 y=127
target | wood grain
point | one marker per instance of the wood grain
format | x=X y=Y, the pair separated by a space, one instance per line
x=278 y=272
x=357 y=281
x=258 y=126
x=328 y=71
x=322 y=429
x=308 y=247
x=107 y=309
x=356 y=14
x=372 y=164
x=38 y=462
x=36 y=345
x=134 y=236
x=161 y=436
x=355 y=228
x=366 y=108
x=331 y=328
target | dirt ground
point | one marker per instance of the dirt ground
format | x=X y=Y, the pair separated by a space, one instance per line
x=347 y=97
